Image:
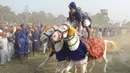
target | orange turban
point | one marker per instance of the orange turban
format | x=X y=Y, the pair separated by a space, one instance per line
x=18 y=28
x=11 y=29
x=5 y=28
x=35 y=29
x=4 y=34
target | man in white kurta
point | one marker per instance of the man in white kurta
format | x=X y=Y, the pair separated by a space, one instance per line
x=3 y=50
x=10 y=45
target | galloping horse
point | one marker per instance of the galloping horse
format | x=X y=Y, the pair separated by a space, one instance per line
x=78 y=49
x=57 y=48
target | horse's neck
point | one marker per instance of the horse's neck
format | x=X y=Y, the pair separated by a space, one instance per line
x=74 y=42
x=58 y=46
x=73 y=39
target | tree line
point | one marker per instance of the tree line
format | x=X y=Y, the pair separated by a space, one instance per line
x=7 y=16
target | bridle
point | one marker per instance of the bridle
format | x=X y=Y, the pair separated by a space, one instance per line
x=66 y=31
x=68 y=36
x=49 y=36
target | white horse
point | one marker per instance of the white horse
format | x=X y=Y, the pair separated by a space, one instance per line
x=74 y=42
x=57 y=47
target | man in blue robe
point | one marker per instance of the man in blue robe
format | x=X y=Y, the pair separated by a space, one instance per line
x=35 y=37
x=22 y=42
x=28 y=45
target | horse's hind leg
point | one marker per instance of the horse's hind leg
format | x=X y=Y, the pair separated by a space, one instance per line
x=106 y=62
x=105 y=58
x=93 y=64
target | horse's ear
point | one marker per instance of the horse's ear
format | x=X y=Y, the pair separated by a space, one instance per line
x=71 y=32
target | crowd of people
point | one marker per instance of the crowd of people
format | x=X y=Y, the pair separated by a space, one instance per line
x=18 y=41
x=106 y=31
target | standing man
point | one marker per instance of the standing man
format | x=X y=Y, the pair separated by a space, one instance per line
x=35 y=37
x=99 y=33
x=22 y=42
x=3 y=48
x=10 y=38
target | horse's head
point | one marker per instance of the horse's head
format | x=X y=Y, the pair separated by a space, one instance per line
x=47 y=33
x=56 y=36
x=64 y=31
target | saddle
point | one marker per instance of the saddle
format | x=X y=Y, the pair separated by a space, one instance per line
x=96 y=47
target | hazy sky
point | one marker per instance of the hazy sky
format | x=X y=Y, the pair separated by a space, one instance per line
x=118 y=9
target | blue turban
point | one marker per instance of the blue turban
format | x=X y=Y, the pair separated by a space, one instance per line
x=72 y=5
x=21 y=25
x=100 y=29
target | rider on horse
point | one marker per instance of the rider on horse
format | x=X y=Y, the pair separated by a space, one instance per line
x=79 y=18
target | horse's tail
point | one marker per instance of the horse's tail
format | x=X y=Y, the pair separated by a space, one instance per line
x=110 y=45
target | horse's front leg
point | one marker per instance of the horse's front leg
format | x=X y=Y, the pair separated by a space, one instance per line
x=63 y=66
x=70 y=65
x=75 y=69
x=58 y=67
x=83 y=68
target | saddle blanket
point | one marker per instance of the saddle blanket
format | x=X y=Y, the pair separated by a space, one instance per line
x=96 y=46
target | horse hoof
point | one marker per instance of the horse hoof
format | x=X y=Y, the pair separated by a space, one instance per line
x=38 y=69
x=105 y=71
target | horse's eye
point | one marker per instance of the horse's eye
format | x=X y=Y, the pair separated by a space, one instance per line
x=64 y=28
x=51 y=31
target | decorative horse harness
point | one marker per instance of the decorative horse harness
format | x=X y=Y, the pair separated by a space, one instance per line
x=69 y=36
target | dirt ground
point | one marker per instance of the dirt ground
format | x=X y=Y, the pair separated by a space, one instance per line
x=119 y=62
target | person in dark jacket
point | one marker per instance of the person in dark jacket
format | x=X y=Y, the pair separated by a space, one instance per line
x=35 y=37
